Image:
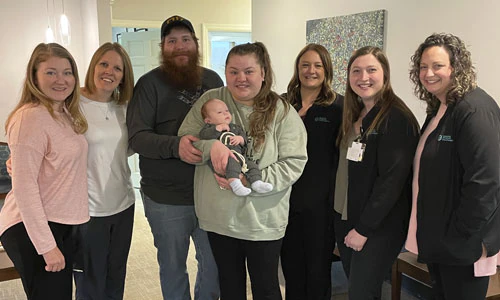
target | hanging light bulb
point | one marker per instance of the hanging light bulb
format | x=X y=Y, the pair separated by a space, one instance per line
x=49 y=35
x=64 y=25
x=65 y=29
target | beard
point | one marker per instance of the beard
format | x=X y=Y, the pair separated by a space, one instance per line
x=186 y=76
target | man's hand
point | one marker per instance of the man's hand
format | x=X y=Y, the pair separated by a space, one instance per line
x=187 y=152
x=54 y=260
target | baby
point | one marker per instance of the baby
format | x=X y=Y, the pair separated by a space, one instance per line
x=218 y=126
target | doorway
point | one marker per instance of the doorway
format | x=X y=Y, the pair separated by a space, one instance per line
x=142 y=45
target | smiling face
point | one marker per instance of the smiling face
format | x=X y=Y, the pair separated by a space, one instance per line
x=180 y=46
x=55 y=78
x=217 y=112
x=311 y=70
x=435 y=71
x=366 y=77
x=108 y=73
x=244 y=77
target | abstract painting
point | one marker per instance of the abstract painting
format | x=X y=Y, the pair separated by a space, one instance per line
x=343 y=34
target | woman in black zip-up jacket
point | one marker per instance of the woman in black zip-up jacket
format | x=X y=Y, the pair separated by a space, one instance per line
x=457 y=179
x=307 y=250
x=377 y=142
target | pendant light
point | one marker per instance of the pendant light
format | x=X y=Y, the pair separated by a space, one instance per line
x=64 y=28
x=49 y=34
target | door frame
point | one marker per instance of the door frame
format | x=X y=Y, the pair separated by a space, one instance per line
x=207 y=27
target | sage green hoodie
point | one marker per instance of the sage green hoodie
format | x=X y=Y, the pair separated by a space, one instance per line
x=256 y=217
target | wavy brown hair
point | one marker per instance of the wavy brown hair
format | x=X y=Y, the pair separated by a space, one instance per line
x=385 y=98
x=32 y=94
x=327 y=95
x=124 y=91
x=264 y=103
x=463 y=75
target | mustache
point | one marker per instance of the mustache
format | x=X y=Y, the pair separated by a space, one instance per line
x=181 y=53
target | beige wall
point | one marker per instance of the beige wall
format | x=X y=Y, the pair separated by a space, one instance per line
x=25 y=22
x=152 y=13
x=281 y=25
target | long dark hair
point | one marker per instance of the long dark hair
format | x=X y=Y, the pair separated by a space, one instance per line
x=327 y=95
x=385 y=98
x=463 y=75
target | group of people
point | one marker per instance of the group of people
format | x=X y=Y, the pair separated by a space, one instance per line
x=72 y=202
x=251 y=176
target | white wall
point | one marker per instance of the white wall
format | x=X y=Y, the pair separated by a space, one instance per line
x=24 y=23
x=281 y=26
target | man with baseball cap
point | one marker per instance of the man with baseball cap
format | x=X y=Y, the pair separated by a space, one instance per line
x=162 y=98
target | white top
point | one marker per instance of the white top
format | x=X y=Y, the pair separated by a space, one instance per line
x=108 y=173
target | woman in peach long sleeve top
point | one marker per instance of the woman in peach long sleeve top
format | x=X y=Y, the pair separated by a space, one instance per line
x=49 y=180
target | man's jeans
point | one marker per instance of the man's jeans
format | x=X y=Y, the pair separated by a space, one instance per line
x=172 y=226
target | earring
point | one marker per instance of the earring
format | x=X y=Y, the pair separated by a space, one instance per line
x=116 y=94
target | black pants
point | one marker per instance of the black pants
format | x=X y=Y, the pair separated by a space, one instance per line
x=367 y=269
x=104 y=248
x=306 y=255
x=38 y=283
x=262 y=259
x=457 y=282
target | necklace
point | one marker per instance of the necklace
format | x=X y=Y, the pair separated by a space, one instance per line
x=104 y=112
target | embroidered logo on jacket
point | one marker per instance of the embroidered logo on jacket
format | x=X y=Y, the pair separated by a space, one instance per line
x=445 y=138
x=321 y=119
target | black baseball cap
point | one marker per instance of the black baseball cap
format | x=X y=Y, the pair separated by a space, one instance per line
x=175 y=21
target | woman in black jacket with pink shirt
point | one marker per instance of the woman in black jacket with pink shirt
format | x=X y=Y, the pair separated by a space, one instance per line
x=456 y=188
x=373 y=186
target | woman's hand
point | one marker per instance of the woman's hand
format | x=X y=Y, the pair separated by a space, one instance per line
x=224 y=183
x=8 y=164
x=219 y=154
x=355 y=240
x=54 y=260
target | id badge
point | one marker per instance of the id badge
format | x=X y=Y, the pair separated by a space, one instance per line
x=356 y=151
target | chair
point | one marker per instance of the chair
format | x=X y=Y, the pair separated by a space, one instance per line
x=407 y=264
x=7 y=270
x=5 y=182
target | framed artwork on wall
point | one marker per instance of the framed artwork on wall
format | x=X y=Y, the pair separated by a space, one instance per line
x=342 y=35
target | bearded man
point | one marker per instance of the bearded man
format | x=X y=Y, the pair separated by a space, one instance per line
x=162 y=98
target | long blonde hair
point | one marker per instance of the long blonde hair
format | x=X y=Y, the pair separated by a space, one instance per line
x=123 y=93
x=264 y=103
x=32 y=93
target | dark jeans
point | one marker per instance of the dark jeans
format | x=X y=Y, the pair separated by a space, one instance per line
x=306 y=255
x=262 y=259
x=104 y=248
x=38 y=283
x=367 y=269
x=457 y=282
